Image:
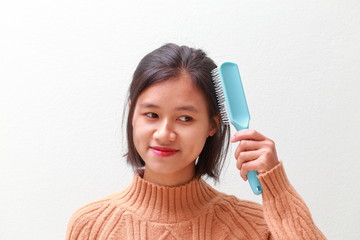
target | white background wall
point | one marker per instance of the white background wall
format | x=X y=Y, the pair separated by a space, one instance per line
x=65 y=67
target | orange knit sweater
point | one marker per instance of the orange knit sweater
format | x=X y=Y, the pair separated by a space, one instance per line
x=196 y=211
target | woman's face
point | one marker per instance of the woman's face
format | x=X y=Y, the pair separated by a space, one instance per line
x=170 y=126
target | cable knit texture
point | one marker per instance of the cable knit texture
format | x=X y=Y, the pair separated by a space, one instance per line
x=196 y=211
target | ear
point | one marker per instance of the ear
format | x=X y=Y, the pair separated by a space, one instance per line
x=215 y=124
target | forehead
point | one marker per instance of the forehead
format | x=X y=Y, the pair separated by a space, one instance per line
x=175 y=91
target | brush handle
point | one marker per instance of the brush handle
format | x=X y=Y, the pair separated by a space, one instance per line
x=254 y=182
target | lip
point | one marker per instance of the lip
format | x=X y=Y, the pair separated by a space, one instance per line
x=163 y=151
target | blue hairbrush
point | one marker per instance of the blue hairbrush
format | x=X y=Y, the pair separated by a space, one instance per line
x=233 y=107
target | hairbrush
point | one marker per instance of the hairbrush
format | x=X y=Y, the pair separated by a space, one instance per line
x=233 y=106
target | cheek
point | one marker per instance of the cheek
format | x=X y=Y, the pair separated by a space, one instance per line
x=142 y=131
x=196 y=139
x=138 y=132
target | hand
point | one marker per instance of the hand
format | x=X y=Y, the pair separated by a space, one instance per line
x=255 y=152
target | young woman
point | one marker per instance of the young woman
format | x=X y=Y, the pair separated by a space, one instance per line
x=175 y=137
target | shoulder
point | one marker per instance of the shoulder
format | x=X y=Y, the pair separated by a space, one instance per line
x=231 y=204
x=87 y=220
x=239 y=217
x=224 y=204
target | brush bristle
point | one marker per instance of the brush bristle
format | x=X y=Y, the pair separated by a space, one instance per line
x=220 y=96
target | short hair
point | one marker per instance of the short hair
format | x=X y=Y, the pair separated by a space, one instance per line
x=169 y=61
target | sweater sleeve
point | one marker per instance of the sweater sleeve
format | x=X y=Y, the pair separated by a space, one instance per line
x=285 y=213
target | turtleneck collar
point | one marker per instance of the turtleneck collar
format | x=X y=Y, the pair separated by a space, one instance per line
x=166 y=204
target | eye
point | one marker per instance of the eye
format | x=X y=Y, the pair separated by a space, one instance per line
x=151 y=115
x=185 y=118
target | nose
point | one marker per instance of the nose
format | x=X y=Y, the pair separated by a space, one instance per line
x=164 y=132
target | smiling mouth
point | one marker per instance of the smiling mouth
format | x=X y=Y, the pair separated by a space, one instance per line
x=163 y=152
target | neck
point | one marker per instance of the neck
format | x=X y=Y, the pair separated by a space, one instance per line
x=170 y=179
x=166 y=204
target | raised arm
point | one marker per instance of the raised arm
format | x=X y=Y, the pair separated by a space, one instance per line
x=285 y=212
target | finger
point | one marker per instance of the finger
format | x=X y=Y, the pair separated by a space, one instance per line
x=247 y=134
x=247 y=145
x=246 y=157
x=246 y=167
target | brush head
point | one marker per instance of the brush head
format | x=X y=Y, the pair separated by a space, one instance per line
x=231 y=96
x=220 y=96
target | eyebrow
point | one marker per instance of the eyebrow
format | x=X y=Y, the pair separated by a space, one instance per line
x=189 y=108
